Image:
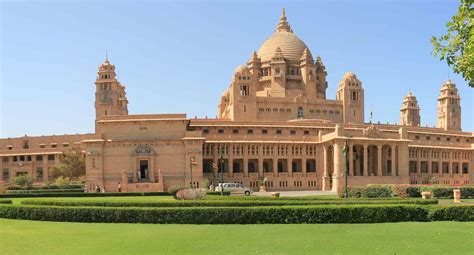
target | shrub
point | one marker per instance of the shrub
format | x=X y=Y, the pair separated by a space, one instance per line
x=23 y=180
x=190 y=194
x=221 y=215
x=467 y=192
x=377 y=191
x=400 y=190
x=447 y=192
x=61 y=181
x=442 y=192
x=174 y=189
x=453 y=213
x=413 y=191
x=371 y=191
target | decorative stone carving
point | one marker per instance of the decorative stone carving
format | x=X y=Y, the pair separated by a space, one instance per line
x=372 y=132
x=144 y=149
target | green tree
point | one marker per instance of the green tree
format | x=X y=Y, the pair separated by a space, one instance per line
x=457 y=46
x=24 y=180
x=71 y=164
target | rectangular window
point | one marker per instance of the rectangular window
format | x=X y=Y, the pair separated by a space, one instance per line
x=292 y=132
x=53 y=145
x=278 y=132
x=39 y=158
x=39 y=174
x=5 y=159
x=51 y=157
x=249 y=131
x=65 y=145
x=205 y=131
x=42 y=146
x=220 y=131
x=264 y=131
x=306 y=132
x=235 y=131
x=5 y=174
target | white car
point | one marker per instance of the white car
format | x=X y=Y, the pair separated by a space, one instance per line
x=234 y=188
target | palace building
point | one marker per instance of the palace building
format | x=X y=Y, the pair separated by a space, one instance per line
x=274 y=120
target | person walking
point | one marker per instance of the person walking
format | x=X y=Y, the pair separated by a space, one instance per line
x=119 y=187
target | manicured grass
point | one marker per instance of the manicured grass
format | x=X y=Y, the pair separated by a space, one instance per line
x=31 y=237
x=451 y=202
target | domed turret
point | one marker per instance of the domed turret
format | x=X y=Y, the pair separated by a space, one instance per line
x=449 y=107
x=291 y=46
x=410 y=111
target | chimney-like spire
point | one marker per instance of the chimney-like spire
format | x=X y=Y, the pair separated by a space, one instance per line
x=283 y=24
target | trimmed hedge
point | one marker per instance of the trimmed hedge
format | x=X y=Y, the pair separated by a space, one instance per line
x=223 y=203
x=91 y=194
x=44 y=191
x=403 y=190
x=453 y=213
x=371 y=191
x=46 y=187
x=5 y=201
x=221 y=215
x=72 y=194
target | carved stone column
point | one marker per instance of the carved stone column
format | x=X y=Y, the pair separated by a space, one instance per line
x=338 y=167
x=275 y=160
x=366 y=160
x=351 y=159
x=379 y=160
x=260 y=159
x=246 y=160
x=393 y=158
x=325 y=169
x=231 y=160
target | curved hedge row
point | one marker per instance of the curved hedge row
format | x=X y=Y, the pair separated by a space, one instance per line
x=221 y=215
x=223 y=203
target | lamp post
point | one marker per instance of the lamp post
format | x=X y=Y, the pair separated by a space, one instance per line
x=222 y=174
x=345 y=150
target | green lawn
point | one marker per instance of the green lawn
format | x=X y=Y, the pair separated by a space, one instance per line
x=31 y=237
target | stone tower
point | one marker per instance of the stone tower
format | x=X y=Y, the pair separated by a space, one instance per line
x=351 y=93
x=110 y=97
x=410 y=111
x=449 y=107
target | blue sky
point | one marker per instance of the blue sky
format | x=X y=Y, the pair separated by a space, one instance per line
x=178 y=57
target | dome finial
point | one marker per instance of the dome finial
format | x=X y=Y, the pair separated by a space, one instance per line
x=283 y=24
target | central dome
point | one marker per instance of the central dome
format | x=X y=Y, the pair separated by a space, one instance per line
x=291 y=46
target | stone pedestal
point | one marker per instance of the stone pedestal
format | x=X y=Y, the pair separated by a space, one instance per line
x=457 y=195
x=426 y=195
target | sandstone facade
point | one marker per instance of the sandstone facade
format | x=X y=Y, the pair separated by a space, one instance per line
x=274 y=121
